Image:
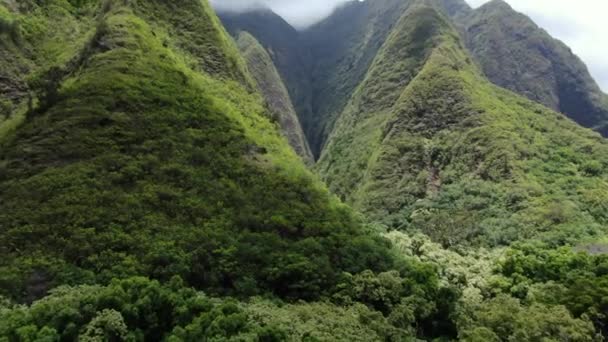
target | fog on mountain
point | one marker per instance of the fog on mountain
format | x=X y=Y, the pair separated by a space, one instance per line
x=300 y=14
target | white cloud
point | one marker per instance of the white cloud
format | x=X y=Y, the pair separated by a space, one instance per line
x=580 y=24
x=299 y=13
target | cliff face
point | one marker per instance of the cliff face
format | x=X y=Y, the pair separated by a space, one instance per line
x=274 y=91
x=287 y=50
x=516 y=54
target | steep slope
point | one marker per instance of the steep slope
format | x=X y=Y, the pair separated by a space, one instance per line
x=285 y=46
x=277 y=97
x=516 y=54
x=342 y=48
x=149 y=153
x=323 y=65
x=426 y=143
x=29 y=45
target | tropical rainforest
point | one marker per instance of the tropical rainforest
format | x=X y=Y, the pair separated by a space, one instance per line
x=403 y=170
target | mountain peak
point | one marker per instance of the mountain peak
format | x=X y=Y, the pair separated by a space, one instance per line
x=143 y=143
x=516 y=54
x=497 y=4
x=455 y=8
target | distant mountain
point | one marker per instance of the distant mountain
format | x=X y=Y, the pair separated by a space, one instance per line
x=285 y=46
x=336 y=53
x=427 y=143
x=343 y=47
x=516 y=54
x=365 y=60
x=271 y=85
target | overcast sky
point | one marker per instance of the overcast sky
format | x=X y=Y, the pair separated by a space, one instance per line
x=581 y=24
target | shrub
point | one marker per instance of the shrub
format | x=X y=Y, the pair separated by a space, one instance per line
x=593 y=168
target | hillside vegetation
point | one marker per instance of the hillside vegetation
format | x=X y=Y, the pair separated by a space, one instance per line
x=146 y=156
x=154 y=186
x=426 y=143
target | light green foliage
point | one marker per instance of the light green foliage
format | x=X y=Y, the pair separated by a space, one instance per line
x=107 y=325
x=521 y=292
x=505 y=319
x=324 y=322
x=469 y=269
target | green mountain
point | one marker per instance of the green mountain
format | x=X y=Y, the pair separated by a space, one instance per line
x=516 y=54
x=153 y=183
x=342 y=49
x=148 y=152
x=426 y=143
x=271 y=85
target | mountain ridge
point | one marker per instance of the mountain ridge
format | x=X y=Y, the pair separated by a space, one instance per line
x=518 y=55
x=353 y=26
x=276 y=94
x=401 y=133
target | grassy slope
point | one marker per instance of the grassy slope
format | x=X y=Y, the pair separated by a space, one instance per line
x=458 y=158
x=32 y=42
x=153 y=158
x=516 y=54
x=271 y=85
